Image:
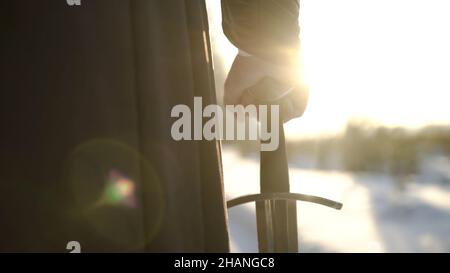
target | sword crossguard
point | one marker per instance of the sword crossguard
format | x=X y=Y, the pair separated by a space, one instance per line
x=283 y=196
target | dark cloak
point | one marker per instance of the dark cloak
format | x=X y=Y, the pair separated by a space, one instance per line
x=85 y=99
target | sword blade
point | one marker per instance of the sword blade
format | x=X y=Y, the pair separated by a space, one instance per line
x=276 y=219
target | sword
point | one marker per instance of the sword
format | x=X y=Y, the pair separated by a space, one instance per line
x=276 y=208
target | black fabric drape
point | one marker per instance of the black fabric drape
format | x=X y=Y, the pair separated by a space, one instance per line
x=85 y=99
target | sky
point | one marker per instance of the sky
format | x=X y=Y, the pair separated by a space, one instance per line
x=382 y=61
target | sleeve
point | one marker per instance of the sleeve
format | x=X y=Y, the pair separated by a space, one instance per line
x=268 y=29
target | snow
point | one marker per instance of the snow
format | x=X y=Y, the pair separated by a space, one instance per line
x=378 y=215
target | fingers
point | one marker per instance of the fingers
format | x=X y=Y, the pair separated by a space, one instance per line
x=294 y=105
x=246 y=72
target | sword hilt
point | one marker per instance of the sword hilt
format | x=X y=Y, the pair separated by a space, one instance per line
x=276 y=211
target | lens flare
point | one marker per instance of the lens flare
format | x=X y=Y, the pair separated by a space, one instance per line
x=119 y=190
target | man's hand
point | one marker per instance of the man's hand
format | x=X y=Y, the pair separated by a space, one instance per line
x=247 y=71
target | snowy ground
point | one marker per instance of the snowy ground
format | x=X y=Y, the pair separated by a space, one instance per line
x=377 y=216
